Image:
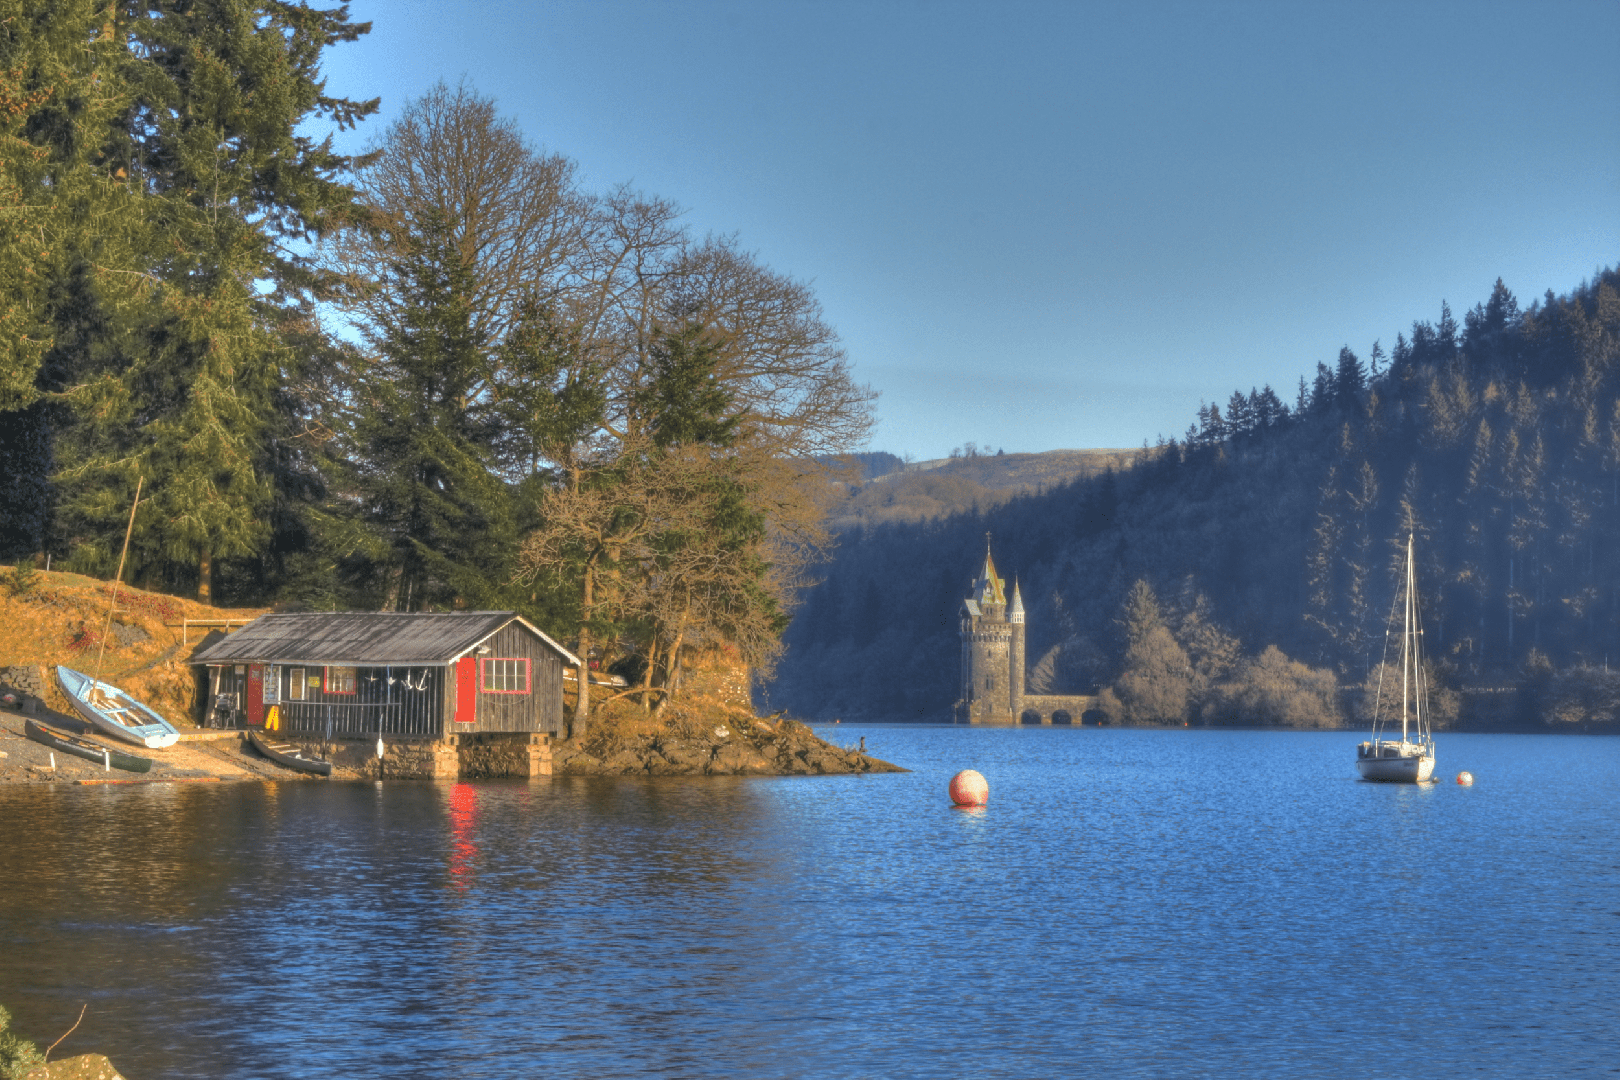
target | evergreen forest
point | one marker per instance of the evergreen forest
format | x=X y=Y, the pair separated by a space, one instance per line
x=1245 y=571
x=438 y=374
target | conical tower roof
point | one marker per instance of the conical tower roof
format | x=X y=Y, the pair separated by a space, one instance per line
x=989 y=588
x=1015 y=610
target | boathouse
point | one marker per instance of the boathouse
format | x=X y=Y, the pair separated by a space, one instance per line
x=465 y=693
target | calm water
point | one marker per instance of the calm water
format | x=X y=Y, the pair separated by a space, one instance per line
x=1132 y=903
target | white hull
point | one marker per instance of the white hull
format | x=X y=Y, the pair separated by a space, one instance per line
x=1395 y=763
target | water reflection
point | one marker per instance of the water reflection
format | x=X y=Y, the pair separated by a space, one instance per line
x=1136 y=898
x=463 y=846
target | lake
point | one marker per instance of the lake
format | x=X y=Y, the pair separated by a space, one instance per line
x=1131 y=903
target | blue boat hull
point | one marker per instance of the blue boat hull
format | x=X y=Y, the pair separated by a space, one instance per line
x=112 y=712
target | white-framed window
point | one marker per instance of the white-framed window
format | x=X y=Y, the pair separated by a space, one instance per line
x=297 y=684
x=272 y=684
x=340 y=680
x=503 y=675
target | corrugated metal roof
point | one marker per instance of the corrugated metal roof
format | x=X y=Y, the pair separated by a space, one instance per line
x=365 y=638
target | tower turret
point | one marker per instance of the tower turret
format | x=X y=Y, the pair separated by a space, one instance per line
x=1015 y=674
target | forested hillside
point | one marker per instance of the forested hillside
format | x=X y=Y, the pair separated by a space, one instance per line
x=1495 y=442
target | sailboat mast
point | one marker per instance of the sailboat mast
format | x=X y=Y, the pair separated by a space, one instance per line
x=1420 y=688
x=118 y=580
x=1406 y=639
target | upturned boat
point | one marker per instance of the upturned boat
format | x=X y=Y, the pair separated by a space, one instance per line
x=113 y=712
x=91 y=751
x=1409 y=759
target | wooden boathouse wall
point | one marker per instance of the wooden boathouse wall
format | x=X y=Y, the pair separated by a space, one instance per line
x=540 y=709
x=452 y=694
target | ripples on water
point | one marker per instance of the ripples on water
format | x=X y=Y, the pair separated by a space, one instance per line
x=1131 y=903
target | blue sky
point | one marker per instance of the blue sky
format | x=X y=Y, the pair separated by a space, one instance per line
x=1045 y=225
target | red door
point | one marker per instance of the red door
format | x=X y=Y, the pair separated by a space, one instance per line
x=255 y=695
x=467 y=690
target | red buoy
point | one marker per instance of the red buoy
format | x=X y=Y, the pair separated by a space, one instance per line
x=1465 y=778
x=968 y=788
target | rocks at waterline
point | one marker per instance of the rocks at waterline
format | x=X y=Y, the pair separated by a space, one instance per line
x=754 y=748
x=84 y=1067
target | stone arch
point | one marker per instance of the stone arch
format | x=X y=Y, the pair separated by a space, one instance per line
x=1061 y=716
x=1094 y=716
x=1029 y=716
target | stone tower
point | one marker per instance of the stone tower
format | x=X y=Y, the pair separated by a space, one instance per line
x=993 y=660
x=992 y=651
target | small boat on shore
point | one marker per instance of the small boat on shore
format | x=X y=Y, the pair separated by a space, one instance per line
x=84 y=748
x=113 y=712
x=287 y=755
x=1411 y=758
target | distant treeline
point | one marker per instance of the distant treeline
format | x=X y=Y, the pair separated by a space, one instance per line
x=1269 y=534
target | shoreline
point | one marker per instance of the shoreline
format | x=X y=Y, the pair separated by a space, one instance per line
x=1526 y=728
x=786 y=748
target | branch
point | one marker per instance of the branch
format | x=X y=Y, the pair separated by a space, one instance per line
x=68 y=1032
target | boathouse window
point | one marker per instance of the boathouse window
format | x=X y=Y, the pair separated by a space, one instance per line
x=340 y=680
x=503 y=676
x=272 y=684
x=296 y=684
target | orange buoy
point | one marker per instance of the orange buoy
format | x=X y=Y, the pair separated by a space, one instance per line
x=969 y=788
x=1465 y=778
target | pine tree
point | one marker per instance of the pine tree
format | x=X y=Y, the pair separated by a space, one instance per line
x=424 y=444
x=1156 y=682
x=1322 y=390
x=1349 y=377
x=181 y=387
x=59 y=218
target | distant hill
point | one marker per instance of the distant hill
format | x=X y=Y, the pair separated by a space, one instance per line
x=896 y=491
x=1257 y=556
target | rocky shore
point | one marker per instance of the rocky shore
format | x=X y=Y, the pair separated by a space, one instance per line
x=749 y=747
x=730 y=747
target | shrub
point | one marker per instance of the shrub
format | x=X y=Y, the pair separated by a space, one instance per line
x=1582 y=695
x=165 y=608
x=85 y=638
x=23 y=579
x=1272 y=689
x=17 y=1055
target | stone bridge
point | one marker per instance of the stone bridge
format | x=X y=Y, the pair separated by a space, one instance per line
x=1048 y=709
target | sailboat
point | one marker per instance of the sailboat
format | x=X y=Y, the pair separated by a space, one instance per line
x=108 y=708
x=1411 y=758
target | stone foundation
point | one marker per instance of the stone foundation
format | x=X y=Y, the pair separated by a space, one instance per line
x=403 y=759
x=500 y=754
x=460 y=757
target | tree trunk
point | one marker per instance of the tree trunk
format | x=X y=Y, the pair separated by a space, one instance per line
x=673 y=679
x=580 y=721
x=647 y=676
x=205 y=578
